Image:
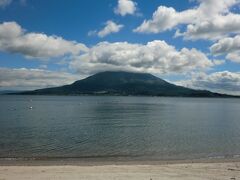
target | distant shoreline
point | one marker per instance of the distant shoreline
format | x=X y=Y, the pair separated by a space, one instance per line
x=115 y=95
x=105 y=161
x=122 y=83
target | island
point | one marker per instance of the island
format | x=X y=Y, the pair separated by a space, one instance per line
x=124 y=84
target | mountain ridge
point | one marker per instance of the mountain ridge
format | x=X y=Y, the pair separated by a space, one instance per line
x=124 y=83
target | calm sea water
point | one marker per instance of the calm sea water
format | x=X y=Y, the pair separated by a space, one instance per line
x=131 y=127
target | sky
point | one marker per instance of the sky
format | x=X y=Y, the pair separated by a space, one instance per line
x=47 y=43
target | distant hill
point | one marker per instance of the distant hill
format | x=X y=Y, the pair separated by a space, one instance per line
x=8 y=92
x=124 y=83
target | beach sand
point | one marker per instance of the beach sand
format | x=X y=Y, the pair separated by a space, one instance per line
x=182 y=171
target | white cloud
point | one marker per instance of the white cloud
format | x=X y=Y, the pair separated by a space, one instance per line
x=214 y=29
x=222 y=82
x=227 y=46
x=154 y=57
x=125 y=7
x=110 y=27
x=165 y=18
x=14 y=39
x=212 y=19
x=29 y=79
x=4 y=3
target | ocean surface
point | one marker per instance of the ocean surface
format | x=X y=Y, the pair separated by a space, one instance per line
x=151 y=128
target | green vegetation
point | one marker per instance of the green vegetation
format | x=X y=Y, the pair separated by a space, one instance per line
x=124 y=83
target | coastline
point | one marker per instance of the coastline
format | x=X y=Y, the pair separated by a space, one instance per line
x=171 y=170
x=108 y=161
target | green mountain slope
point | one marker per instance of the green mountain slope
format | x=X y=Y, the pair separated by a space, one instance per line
x=124 y=83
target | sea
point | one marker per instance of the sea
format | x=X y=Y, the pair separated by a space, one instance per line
x=101 y=127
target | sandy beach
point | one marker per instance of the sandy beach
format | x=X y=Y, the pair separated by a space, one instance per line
x=182 y=171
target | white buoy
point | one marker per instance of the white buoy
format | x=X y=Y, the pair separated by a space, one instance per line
x=30 y=107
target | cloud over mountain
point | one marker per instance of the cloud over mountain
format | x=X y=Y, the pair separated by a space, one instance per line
x=154 y=57
x=214 y=20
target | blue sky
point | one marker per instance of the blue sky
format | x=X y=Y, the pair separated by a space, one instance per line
x=53 y=42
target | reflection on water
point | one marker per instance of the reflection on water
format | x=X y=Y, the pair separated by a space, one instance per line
x=146 y=127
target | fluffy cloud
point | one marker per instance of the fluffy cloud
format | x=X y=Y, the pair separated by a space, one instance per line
x=154 y=57
x=14 y=39
x=165 y=18
x=214 y=29
x=110 y=27
x=125 y=7
x=28 y=79
x=4 y=3
x=212 y=19
x=229 y=47
x=222 y=82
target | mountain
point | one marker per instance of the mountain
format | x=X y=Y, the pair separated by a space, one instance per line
x=9 y=92
x=123 y=83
